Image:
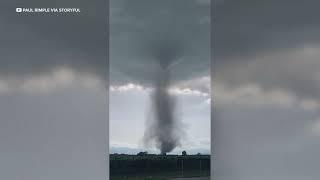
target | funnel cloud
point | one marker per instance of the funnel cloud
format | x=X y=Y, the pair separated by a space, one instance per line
x=165 y=129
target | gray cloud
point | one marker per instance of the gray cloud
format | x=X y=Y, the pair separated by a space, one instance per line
x=62 y=134
x=139 y=27
x=44 y=43
x=272 y=44
x=39 y=43
x=55 y=136
x=265 y=67
x=250 y=27
x=265 y=142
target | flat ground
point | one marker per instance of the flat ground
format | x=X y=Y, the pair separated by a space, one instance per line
x=195 y=178
x=159 y=167
x=159 y=178
x=156 y=177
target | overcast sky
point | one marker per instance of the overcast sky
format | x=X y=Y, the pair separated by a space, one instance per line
x=53 y=78
x=266 y=85
x=137 y=30
x=266 y=89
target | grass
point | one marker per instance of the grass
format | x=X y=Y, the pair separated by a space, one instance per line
x=159 y=176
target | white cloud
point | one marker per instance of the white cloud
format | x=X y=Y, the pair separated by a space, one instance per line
x=46 y=83
x=176 y=90
x=310 y=104
x=195 y=87
x=128 y=87
x=208 y=101
x=187 y=91
x=4 y=87
x=200 y=83
x=64 y=77
x=254 y=95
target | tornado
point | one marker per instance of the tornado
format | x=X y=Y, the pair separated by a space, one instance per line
x=164 y=128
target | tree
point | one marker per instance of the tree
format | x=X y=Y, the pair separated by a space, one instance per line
x=184 y=153
x=142 y=153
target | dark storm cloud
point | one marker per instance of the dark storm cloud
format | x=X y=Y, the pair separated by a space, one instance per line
x=140 y=27
x=43 y=42
x=248 y=27
x=38 y=43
